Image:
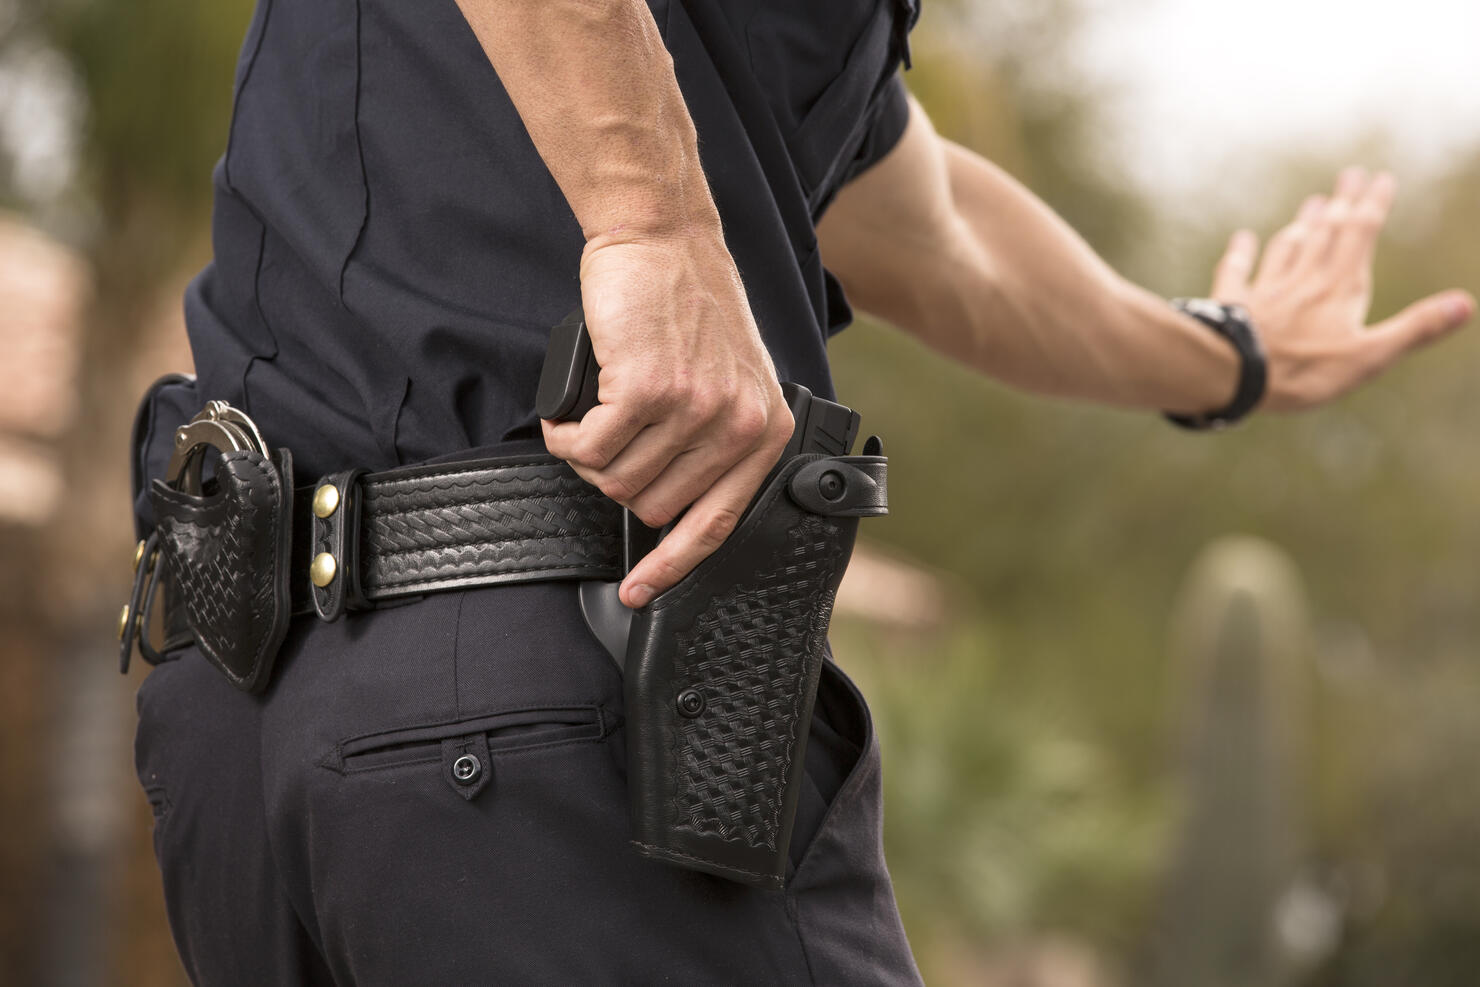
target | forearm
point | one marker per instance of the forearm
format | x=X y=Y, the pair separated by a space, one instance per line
x=595 y=88
x=689 y=418
x=985 y=272
x=1039 y=308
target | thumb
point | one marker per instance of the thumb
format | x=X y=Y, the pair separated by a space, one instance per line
x=1424 y=321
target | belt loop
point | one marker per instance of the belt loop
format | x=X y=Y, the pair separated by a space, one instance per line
x=334 y=568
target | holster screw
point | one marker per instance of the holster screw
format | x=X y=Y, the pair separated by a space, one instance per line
x=830 y=485
x=690 y=703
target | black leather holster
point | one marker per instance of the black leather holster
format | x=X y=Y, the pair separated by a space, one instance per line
x=722 y=671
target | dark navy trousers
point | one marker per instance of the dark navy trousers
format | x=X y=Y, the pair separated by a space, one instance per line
x=318 y=834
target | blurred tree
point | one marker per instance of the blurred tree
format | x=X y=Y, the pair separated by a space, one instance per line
x=158 y=75
x=154 y=78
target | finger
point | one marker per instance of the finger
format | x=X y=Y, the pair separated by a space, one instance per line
x=1286 y=246
x=1421 y=323
x=1329 y=224
x=728 y=440
x=1231 y=280
x=1357 y=244
x=1351 y=183
x=681 y=483
x=651 y=453
x=699 y=532
x=594 y=440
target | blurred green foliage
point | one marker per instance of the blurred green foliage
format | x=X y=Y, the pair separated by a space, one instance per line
x=1067 y=530
x=157 y=75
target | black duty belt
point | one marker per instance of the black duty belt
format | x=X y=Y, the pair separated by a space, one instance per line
x=361 y=538
x=239 y=555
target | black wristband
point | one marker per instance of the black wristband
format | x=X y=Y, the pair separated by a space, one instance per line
x=1232 y=322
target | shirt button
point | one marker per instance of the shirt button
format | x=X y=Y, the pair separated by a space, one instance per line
x=466 y=769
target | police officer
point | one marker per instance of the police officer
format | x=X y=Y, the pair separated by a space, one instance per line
x=411 y=195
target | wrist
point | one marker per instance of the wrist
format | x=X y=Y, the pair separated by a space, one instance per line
x=1180 y=366
x=1234 y=326
x=692 y=227
x=657 y=191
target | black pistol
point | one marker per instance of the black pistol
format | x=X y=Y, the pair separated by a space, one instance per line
x=722 y=669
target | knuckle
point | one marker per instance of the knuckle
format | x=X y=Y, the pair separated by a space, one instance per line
x=779 y=428
x=775 y=442
x=716 y=527
x=705 y=404
x=591 y=452
x=680 y=392
x=652 y=514
x=669 y=571
x=619 y=487
x=748 y=423
x=649 y=392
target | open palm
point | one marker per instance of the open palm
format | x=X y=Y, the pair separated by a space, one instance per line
x=1312 y=291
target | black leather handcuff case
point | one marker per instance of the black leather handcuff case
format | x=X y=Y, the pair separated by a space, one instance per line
x=228 y=555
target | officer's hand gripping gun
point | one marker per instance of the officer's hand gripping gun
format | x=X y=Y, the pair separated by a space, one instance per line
x=722 y=669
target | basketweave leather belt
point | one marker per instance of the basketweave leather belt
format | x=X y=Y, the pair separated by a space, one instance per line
x=239 y=555
x=363 y=538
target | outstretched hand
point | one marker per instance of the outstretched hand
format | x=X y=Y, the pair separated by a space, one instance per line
x=1310 y=297
x=690 y=413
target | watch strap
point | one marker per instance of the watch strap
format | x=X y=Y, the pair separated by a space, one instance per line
x=1234 y=324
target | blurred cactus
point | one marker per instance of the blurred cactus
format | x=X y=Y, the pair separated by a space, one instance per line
x=1239 y=649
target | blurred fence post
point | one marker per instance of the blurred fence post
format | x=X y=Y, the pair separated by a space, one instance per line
x=1240 y=664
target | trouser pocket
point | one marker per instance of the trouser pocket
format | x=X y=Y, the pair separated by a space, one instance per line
x=467 y=748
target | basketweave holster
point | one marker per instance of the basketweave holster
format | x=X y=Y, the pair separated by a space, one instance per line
x=722 y=671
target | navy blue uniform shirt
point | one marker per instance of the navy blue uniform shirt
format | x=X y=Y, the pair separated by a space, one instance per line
x=390 y=254
x=390 y=250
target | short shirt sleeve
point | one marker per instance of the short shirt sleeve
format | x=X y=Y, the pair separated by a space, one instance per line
x=891 y=112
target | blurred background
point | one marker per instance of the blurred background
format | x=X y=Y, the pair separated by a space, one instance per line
x=1156 y=708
